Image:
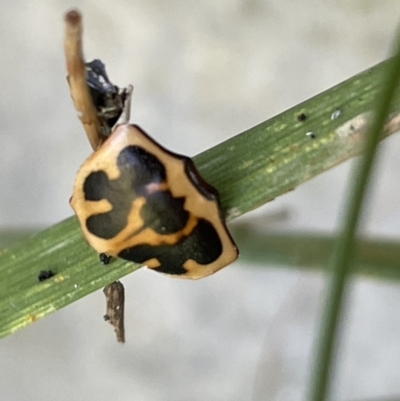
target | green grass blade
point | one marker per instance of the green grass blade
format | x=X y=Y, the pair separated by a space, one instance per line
x=375 y=258
x=276 y=156
x=9 y=236
x=345 y=251
x=248 y=170
x=62 y=250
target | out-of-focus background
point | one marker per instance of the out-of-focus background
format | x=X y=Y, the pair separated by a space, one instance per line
x=203 y=71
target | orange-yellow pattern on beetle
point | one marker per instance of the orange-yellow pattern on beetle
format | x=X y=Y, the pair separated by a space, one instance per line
x=136 y=200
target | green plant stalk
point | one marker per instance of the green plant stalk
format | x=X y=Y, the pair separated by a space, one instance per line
x=248 y=171
x=344 y=254
x=375 y=258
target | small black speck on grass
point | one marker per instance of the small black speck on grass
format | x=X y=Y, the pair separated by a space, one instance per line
x=301 y=117
x=45 y=274
x=105 y=259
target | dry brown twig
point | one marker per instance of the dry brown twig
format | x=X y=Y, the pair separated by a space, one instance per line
x=100 y=105
x=77 y=78
x=115 y=298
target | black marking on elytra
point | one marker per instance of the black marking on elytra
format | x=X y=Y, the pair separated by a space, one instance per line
x=96 y=186
x=202 y=245
x=138 y=169
x=163 y=213
x=45 y=275
x=203 y=187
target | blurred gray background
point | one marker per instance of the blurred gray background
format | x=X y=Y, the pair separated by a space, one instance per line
x=203 y=71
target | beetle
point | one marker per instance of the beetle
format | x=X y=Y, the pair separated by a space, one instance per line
x=136 y=200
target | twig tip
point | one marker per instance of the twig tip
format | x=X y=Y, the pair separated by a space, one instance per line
x=73 y=17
